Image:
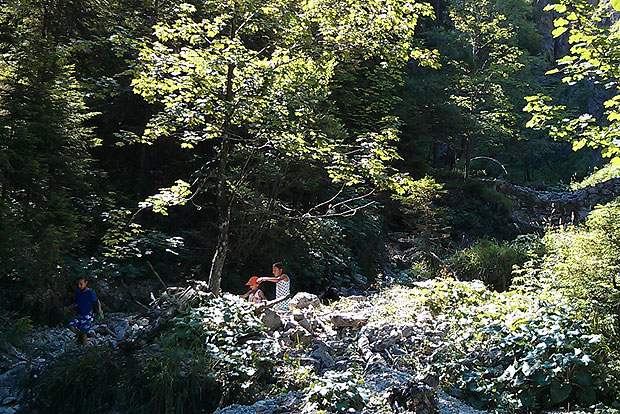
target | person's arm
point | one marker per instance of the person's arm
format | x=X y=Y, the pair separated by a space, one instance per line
x=245 y=295
x=261 y=295
x=272 y=279
x=99 y=307
x=71 y=306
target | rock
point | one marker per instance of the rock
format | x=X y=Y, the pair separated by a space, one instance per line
x=326 y=360
x=360 y=279
x=303 y=300
x=271 y=319
x=306 y=324
x=450 y=405
x=290 y=324
x=309 y=361
x=348 y=319
x=413 y=397
x=282 y=404
x=298 y=315
x=301 y=335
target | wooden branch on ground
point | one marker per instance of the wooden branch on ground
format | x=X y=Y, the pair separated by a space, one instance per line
x=156 y=274
x=444 y=264
x=270 y=303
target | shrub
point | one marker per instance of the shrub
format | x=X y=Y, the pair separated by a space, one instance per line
x=488 y=261
x=209 y=355
x=517 y=351
x=337 y=392
x=598 y=176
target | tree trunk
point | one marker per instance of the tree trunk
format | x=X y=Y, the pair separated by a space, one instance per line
x=468 y=145
x=223 y=227
x=224 y=200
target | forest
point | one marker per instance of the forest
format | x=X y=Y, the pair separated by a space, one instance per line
x=423 y=199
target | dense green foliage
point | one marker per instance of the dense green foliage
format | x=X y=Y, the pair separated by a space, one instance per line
x=205 y=358
x=112 y=110
x=489 y=262
x=209 y=139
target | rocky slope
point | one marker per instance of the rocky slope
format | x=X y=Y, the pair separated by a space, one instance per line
x=552 y=208
x=329 y=342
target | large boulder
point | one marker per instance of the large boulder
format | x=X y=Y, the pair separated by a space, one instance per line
x=303 y=300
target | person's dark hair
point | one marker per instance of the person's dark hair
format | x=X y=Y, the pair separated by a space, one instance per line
x=279 y=265
x=81 y=276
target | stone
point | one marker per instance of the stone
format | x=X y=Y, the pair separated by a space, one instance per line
x=301 y=335
x=271 y=319
x=360 y=279
x=413 y=397
x=298 y=315
x=306 y=324
x=282 y=404
x=309 y=361
x=326 y=360
x=348 y=320
x=290 y=324
x=303 y=300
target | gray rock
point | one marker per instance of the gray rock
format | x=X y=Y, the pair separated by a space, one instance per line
x=298 y=315
x=306 y=324
x=413 y=397
x=282 y=404
x=291 y=324
x=326 y=360
x=301 y=335
x=348 y=319
x=271 y=319
x=309 y=361
x=303 y=300
x=360 y=279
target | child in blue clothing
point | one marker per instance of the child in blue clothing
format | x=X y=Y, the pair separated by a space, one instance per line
x=85 y=299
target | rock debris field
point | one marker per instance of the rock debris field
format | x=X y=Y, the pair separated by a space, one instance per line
x=327 y=340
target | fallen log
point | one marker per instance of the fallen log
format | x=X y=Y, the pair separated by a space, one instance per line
x=270 y=303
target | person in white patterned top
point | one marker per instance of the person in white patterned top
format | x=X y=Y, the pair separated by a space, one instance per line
x=283 y=283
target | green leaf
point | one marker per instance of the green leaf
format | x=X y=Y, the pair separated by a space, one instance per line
x=560 y=392
x=616 y=4
x=559 y=31
x=587 y=396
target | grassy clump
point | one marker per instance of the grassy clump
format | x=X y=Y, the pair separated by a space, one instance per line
x=490 y=262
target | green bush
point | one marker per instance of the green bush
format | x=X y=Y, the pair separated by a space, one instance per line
x=337 y=392
x=488 y=261
x=598 y=176
x=586 y=261
x=517 y=351
x=209 y=355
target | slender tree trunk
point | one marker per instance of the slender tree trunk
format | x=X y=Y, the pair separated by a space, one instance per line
x=223 y=222
x=468 y=145
x=224 y=200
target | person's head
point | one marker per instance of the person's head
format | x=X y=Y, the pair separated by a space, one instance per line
x=277 y=269
x=253 y=283
x=82 y=282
